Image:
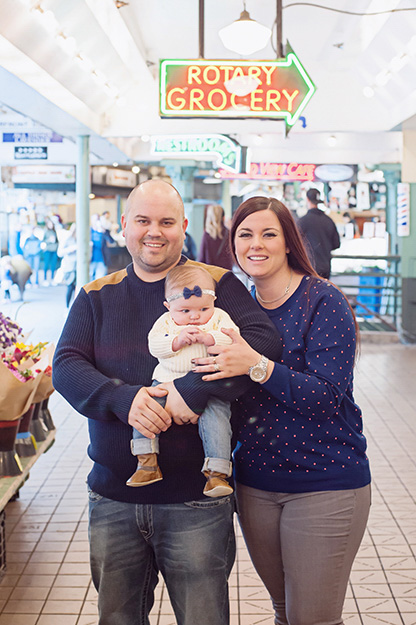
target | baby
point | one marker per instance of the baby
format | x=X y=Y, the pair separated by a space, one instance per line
x=191 y=324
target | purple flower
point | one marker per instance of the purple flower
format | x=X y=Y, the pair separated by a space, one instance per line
x=9 y=331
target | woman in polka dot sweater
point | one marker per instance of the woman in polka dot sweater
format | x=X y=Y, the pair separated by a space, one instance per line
x=303 y=478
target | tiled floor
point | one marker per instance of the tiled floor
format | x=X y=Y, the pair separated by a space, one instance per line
x=48 y=582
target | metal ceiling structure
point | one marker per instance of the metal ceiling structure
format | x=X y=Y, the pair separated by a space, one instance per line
x=88 y=67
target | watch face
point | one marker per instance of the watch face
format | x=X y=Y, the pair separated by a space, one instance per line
x=257 y=374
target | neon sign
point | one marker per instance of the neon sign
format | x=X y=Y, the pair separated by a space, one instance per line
x=229 y=153
x=235 y=89
x=275 y=171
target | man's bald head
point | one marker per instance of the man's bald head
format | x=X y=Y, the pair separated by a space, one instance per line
x=154 y=188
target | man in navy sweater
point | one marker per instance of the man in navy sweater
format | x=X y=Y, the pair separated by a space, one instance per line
x=102 y=366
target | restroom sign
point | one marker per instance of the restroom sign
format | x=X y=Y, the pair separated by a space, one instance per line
x=227 y=152
x=235 y=89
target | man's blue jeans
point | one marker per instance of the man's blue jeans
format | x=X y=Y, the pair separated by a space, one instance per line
x=192 y=544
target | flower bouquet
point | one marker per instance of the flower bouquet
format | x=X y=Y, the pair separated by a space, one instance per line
x=42 y=420
x=19 y=379
x=17 y=388
x=31 y=364
x=25 y=383
x=44 y=372
x=25 y=441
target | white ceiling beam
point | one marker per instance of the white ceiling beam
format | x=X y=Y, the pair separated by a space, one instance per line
x=22 y=98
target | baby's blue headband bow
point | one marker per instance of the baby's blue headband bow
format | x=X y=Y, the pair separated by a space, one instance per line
x=187 y=293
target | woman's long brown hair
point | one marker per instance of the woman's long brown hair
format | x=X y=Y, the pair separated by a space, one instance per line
x=297 y=257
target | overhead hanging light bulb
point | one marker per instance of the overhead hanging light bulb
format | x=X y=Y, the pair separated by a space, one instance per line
x=245 y=35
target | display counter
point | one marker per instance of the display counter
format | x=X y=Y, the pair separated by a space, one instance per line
x=9 y=486
x=371 y=280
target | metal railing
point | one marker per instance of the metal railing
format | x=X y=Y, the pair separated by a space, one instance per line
x=373 y=287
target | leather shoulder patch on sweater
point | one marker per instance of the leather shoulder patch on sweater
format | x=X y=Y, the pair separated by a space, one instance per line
x=112 y=278
x=216 y=272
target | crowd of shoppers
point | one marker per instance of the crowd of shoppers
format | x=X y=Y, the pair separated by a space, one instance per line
x=38 y=254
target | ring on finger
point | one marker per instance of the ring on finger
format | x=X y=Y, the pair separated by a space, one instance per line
x=216 y=367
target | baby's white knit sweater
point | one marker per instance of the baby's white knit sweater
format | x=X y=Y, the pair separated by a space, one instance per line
x=173 y=365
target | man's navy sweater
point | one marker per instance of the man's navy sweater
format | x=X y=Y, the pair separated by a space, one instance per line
x=102 y=360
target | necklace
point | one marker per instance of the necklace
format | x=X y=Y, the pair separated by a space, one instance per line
x=271 y=301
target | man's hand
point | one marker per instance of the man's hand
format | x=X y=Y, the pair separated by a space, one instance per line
x=176 y=407
x=147 y=415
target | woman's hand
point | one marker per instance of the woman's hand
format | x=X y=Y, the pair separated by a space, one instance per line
x=227 y=361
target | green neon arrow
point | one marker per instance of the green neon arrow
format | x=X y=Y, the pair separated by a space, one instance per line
x=293 y=61
x=227 y=151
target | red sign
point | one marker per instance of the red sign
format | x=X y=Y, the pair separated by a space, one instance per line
x=275 y=171
x=235 y=89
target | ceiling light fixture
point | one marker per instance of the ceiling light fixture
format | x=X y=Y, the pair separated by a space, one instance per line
x=368 y=91
x=332 y=140
x=242 y=85
x=68 y=44
x=383 y=78
x=211 y=180
x=47 y=17
x=245 y=35
x=119 y=4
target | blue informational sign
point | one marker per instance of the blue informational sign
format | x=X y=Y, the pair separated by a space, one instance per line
x=403 y=209
x=31 y=137
x=30 y=152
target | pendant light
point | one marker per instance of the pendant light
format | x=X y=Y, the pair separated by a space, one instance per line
x=245 y=35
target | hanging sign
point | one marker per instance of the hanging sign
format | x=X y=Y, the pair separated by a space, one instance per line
x=32 y=137
x=120 y=178
x=235 y=89
x=43 y=174
x=228 y=153
x=403 y=209
x=30 y=152
x=275 y=171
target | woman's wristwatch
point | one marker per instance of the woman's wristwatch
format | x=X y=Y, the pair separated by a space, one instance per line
x=258 y=372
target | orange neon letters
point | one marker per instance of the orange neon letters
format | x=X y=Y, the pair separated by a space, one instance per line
x=219 y=99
